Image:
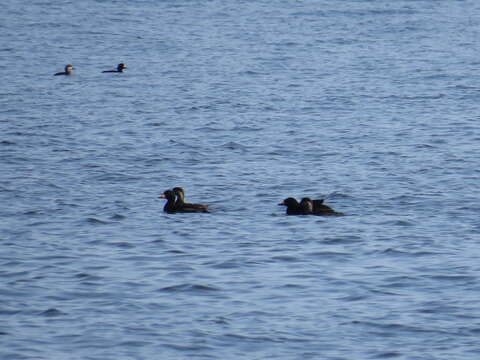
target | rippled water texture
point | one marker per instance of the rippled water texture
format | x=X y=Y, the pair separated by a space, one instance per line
x=372 y=105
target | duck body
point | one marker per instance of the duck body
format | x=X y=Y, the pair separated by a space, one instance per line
x=120 y=68
x=68 y=70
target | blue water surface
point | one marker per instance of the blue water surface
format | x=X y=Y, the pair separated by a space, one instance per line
x=372 y=105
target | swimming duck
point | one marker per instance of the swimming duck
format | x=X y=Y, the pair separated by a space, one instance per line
x=120 y=68
x=308 y=206
x=175 y=203
x=68 y=70
x=182 y=206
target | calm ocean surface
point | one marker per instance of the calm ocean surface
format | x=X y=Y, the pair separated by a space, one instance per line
x=370 y=104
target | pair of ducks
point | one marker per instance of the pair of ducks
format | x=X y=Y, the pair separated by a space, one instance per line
x=176 y=203
x=307 y=206
x=69 y=69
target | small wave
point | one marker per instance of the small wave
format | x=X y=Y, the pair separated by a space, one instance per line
x=184 y=145
x=134 y=344
x=84 y=276
x=286 y=258
x=52 y=312
x=396 y=252
x=158 y=241
x=246 y=128
x=404 y=223
x=95 y=221
x=400 y=278
x=399 y=285
x=156 y=124
x=250 y=73
x=209 y=129
x=292 y=286
x=14 y=274
x=195 y=348
x=250 y=338
x=55 y=257
x=234 y=146
x=387 y=327
x=201 y=107
x=393 y=251
x=414 y=98
x=229 y=264
x=177 y=252
x=122 y=244
x=189 y=288
x=424 y=146
x=466 y=87
x=342 y=240
x=453 y=277
x=328 y=254
x=387 y=355
x=33 y=212
x=221 y=320
x=351 y=298
x=240 y=105
x=115 y=177
x=8 y=312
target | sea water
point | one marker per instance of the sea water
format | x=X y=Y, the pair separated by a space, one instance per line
x=372 y=105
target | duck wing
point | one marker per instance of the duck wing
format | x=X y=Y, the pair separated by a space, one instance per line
x=319 y=208
x=189 y=208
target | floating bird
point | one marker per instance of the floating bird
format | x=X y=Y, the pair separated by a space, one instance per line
x=120 y=68
x=176 y=203
x=68 y=70
x=307 y=206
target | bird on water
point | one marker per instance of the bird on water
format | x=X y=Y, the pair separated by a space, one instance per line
x=307 y=206
x=68 y=70
x=120 y=68
x=176 y=202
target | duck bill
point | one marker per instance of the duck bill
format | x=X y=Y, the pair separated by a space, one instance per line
x=162 y=196
x=281 y=204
